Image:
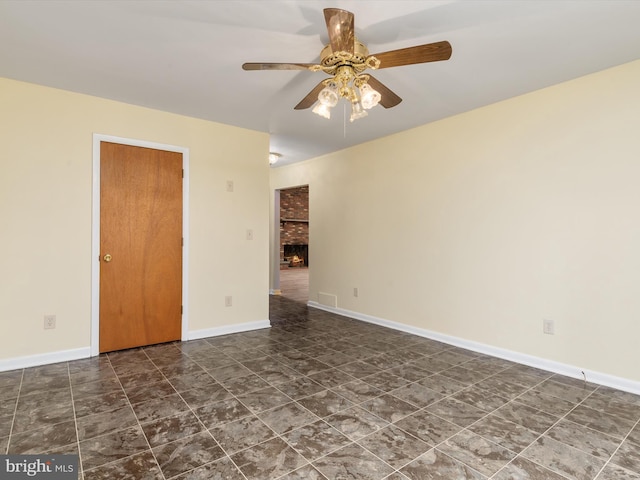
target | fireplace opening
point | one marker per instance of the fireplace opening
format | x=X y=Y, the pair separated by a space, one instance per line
x=297 y=255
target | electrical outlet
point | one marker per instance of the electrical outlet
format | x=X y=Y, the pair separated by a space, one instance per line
x=548 y=326
x=228 y=301
x=49 y=322
x=355 y=291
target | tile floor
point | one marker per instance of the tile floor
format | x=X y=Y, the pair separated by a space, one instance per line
x=319 y=396
x=294 y=283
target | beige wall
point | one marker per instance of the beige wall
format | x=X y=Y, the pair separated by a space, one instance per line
x=45 y=214
x=482 y=225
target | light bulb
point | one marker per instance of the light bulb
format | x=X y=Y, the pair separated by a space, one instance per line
x=273 y=158
x=357 y=111
x=368 y=96
x=323 y=110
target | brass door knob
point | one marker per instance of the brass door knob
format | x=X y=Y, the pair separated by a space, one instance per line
x=107 y=258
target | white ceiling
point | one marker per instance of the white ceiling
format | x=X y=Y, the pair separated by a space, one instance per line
x=186 y=56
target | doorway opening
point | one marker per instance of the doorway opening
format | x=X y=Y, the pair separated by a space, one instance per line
x=294 y=243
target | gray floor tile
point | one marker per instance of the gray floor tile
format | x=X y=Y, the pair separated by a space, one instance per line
x=612 y=405
x=435 y=465
x=264 y=399
x=417 y=394
x=241 y=434
x=268 y=460
x=168 y=429
x=106 y=422
x=158 y=408
x=455 y=411
x=428 y=427
x=614 y=472
x=305 y=473
x=287 y=417
x=563 y=391
x=395 y=446
x=522 y=469
x=42 y=439
x=215 y=414
x=100 y=403
x=356 y=422
x=358 y=391
x=187 y=453
x=223 y=469
x=480 y=398
x=386 y=381
x=505 y=433
x=443 y=384
x=603 y=422
x=111 y=447
x=316 y=440
x=211 y=392
x=353 y=461
x=188 y=381
x=325 y=403
x=563 y=459
x=389 y=408
x=26 y=420
x=477 y=452
x=140 y=466
x=583 y=438
x=619 y=395
x=529 y=417
x=546 y=403
x=628 y=456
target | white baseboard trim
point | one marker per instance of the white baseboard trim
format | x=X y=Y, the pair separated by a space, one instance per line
x=44 y=359
x=227 y=329
x=85 y=352
x=522 y=358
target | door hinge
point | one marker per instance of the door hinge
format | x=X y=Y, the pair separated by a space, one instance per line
x=181 y=309
x=182 y=241
x=183 y=173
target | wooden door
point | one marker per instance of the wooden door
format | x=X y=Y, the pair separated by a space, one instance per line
x=140 y=246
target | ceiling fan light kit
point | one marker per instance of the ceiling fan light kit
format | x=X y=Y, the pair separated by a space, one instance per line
x=369 y=97
x=274 y=157
x=345 y=59
x=323 y=110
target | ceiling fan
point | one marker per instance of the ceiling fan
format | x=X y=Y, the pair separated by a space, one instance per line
x=345 y=59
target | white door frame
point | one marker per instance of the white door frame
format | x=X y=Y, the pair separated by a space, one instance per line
x=275 y=249
x=95 y=231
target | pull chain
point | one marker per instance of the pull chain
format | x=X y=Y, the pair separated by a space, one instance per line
x=344 y=120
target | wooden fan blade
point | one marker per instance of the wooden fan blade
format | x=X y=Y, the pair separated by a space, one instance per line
x=277 y=66
x=341 y=29
x=388 y=98
x=311 y=98
x=431 y=52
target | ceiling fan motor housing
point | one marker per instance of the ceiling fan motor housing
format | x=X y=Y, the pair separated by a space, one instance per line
x=357 y=60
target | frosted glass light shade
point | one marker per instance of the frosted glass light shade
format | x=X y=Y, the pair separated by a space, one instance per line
x=323 y=110
x=368 y=96
x=329 y=95
x=357 y=111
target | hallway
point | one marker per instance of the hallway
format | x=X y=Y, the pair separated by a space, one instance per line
x=294 y=284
